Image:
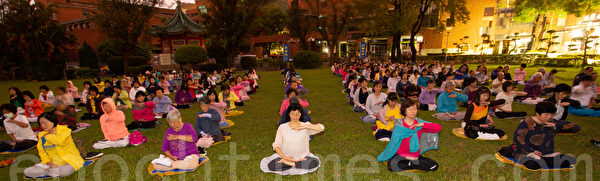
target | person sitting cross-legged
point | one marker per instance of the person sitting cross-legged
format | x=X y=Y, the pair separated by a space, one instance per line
x=112 y=123
x=179 y=145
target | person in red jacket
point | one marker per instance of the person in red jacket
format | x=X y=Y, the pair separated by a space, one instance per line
x=143 y=114
x=33 y=107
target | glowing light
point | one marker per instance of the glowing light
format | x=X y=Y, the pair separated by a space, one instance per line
x=577 y=33
x=325 y=50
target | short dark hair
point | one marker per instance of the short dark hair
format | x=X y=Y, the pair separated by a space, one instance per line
x=294 y=107
x=545 y=107
x=224 y=87
x=562 y=88
x=430 y=81
x=93 y=88
x=87 y=83
x=362 y=79
x=291 y=90
x=406 y=104
x=159 y=89
x=507 y=84
x=585 y=78
x=10 y=108
x=553 y=71
x=44 y=87
x=392 y=97
x=523 y=65
x=204 y=100
x=140 y=93
x=212 y=91
x=28 y=94
x=62 y=89
x=50 y=116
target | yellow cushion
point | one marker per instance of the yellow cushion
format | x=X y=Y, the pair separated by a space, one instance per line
x=460 y=132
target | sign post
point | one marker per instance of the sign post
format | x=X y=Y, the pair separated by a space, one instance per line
x=363 y=50
x=286 y=52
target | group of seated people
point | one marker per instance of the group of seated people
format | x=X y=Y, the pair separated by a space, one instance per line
x=385 y=110
x=56 y=117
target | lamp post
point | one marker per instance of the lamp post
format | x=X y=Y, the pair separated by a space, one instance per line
x=446 y=53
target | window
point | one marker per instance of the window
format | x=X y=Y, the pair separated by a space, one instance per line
x=489 y=11
x=202 y=9
x=193 y=42
x=177 y=44
x=166 y=46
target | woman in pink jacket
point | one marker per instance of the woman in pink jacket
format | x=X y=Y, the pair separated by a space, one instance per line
x=143 y=115
x=286 y=103
x=112 y=123
x=71 y=89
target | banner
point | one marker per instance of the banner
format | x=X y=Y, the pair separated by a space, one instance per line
x=286 y=52
x=363 y=50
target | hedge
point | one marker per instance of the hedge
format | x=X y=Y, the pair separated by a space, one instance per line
x=308 y=60
x=139 y=69
x=559 y=62
x=271 y=62
x=492 y=59
x=248 y=62
x=83 y=72
x=115 y=64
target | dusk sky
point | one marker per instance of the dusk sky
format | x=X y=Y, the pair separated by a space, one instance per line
x=172 y=3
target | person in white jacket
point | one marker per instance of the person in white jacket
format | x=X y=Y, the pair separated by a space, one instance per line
x=136 y=88
x=374 y=103
x=46 y=96
x=360 y=95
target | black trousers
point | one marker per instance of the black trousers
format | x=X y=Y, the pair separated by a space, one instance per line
x=398 y=164
x=90 y=116
x=560 y=161
x=473 y=131
x=139 y=124
x=382 y=133
x=574 y=129
x=309 y=163
x=239 y=103
x=503 y=115
x=182 y=106
x=5 y=146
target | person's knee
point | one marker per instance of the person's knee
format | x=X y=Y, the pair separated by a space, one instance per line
x=33 y=171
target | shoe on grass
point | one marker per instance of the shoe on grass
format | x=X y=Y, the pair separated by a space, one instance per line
x=595 y=142
x=92 y=155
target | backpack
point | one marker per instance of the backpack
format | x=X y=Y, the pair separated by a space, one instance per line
x=136 y=138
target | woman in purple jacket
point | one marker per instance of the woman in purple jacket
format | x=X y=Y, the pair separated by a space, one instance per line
x=183 y=97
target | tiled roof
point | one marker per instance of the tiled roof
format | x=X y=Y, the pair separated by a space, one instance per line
x=179 y=24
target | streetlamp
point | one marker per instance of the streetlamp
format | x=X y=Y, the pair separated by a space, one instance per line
x=447 y=40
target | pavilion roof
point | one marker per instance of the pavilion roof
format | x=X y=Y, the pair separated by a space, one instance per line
x=179 y=24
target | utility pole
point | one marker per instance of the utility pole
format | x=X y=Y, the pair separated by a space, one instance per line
x=446 y=53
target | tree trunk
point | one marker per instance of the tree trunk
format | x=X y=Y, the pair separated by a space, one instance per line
x=413 y=49
x=535 y=23
x=544 y=20
x=585 y=47
x=332 y=52
x=395 y=47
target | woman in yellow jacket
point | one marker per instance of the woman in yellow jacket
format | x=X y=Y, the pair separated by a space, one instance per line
x=57 y=151
x=227 y=96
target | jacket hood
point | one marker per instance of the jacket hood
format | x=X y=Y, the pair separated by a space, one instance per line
x=111 y=104
x=70 y=83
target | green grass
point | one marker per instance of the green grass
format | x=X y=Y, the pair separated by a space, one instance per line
x=346 y=140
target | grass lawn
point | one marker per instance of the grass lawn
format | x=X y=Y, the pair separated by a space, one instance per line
x=346 y=147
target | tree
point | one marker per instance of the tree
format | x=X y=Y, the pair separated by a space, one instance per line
x=87 y=56
x=376 y=17
x=229 y=23
x=456 y=9
x=549 y=41
x=30 y=38
x=271 y=21
x=190 y=55
x=125 y=22
x=512 y=39
x=299 y=25
x=586 y=39
x=332 y=18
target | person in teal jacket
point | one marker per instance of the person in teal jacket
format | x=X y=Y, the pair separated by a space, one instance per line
x=446 y=104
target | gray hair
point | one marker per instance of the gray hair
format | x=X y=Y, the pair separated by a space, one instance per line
x=174 y=115
x=449 y=84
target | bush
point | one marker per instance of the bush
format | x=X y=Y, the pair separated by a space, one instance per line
x=83 y=72
x=139 y=69
x=490 y=59
x=308 y=60
x=115 y=64
x=271 y=62
x=559 y=62
x=209 y=67
x=248 y=62
x=190 y=54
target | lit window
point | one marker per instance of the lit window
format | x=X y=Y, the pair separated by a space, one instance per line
x=202 y=9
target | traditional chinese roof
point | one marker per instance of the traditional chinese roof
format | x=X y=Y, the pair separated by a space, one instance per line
x=179 y=24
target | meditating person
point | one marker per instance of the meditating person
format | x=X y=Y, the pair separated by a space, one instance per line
x=121 y=98
x=108 y=88
x=46 y=96
x=33 y=107
x=360 y=95
x=548 y=82
x=533 y=89
x=239 y=91
x=392 y=82
x=179 y=145
x=422 y=81
x=520 y=74
x=135 y=89
x=407 y=142
x=18 y=129
x=57 y=151
x=387 y=116
x=183 y=97
x=143 y=115
x=151 y=87
x=112 y=124
x=412 y=92
x=446 y=104
x=497 y=84
x=291 y=144
x=291 y=93
x=16 y=97
x=85 y=93
x=562 y=103
x=161 y=104
x=99 y=84
x=66 y=98
x=93 y=105
x=165 y=85
x=470 y=88
x=374 y=103
x=66 y=115
x=586 y=95
x=477 y=122
x=72 y=89
x=217 y=105
x=460 y=73
x=427 y=96
x=505 y=111
x=228 y=97
x=534 y=140
x=401 y=85
x=207 y=121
